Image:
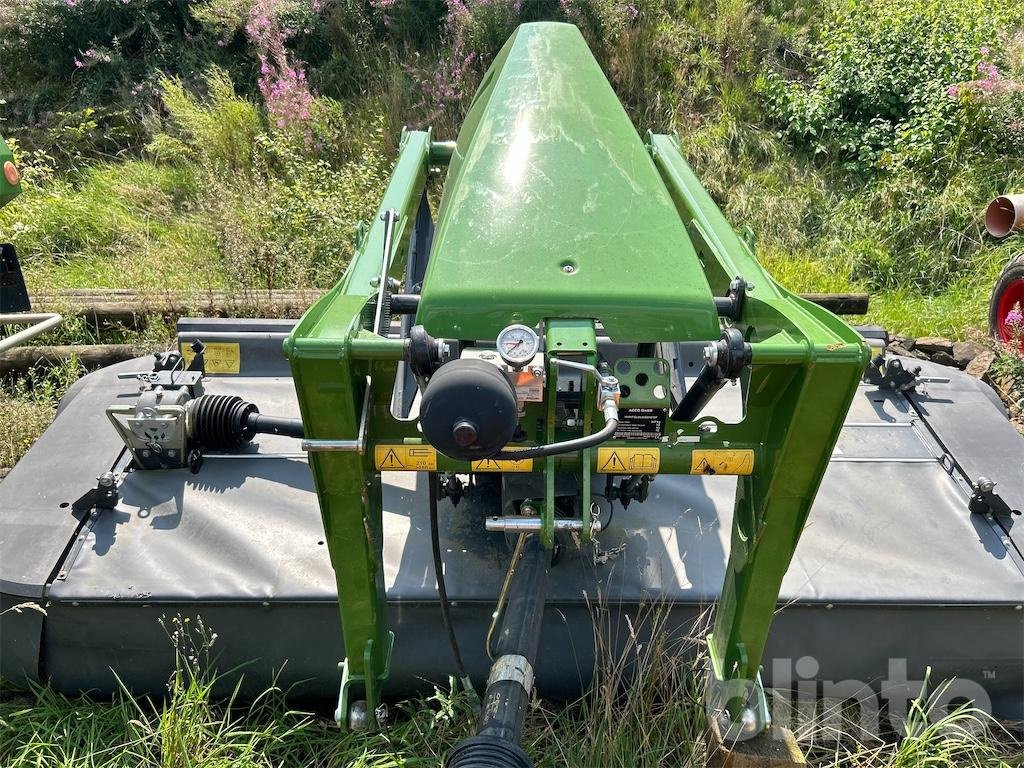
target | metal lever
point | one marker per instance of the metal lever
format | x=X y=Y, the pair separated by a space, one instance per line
x=355 y=446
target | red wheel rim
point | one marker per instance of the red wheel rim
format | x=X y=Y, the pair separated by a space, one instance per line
x=1012 y=296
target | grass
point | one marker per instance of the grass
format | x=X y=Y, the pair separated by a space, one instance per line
x=652 y=716
x=27 y=407
x=115 y=225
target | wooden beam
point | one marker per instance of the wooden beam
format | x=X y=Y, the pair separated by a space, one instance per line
x=91 y=356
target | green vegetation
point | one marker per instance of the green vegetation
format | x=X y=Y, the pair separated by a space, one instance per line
x=27 y=408
x=859 y=141
x=658 y=721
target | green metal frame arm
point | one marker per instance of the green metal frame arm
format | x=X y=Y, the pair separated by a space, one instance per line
x=806 y=364
x=334 y=359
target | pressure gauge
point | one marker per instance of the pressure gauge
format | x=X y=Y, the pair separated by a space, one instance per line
x=517 y=345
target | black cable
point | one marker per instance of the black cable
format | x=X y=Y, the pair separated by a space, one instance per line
x=442 y=592
x=605 y=524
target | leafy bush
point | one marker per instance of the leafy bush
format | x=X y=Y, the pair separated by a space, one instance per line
x=282 y=206
x=883 y=90
x=219 y=132
x=91 y=52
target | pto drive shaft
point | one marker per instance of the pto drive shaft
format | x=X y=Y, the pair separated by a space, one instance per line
x=510 y=683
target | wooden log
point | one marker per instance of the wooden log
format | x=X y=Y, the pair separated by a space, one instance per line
x=102 y=307
x=132 y=308
x=91 y=356
x=840 y=303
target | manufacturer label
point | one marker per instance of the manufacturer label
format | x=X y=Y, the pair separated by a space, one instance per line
x=219 y=356
x=641 y=424
x=407 y=458
x=628 y=461
x=502 y=465
x=722 y=462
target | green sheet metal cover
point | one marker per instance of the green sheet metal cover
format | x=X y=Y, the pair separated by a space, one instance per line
x=8 y=191
x=554 y=208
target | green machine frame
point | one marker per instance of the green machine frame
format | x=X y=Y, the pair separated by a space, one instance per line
x=804 y=366
x=10 y=179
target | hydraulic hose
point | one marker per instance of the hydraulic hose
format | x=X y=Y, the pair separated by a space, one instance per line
x=566 y=446
x=442 y=591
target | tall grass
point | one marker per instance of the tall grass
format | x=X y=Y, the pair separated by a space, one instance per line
x=644 y=709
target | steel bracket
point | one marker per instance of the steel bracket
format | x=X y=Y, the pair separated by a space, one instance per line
x=371 y=687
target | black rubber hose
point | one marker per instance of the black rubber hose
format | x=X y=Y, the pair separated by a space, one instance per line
x=566 y=446
x=442 y=591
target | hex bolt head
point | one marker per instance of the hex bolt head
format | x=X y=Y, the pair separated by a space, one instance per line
x=106 y=480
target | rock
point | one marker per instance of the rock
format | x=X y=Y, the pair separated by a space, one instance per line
x=965 y=351
x=897 y=349
x=907 y=342
x=978 y=367
x=932 y=344
x=944 y=358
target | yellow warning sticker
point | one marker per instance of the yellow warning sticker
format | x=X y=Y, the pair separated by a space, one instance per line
x=722 y=462
x=408 y=458
x=220 y=356
x=624 y=461
x=503 y=465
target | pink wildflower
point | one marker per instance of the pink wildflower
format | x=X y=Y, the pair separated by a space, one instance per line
x=1015 y=320
x=282 y=81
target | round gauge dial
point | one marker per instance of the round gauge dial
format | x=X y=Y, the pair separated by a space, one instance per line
x=517 y=345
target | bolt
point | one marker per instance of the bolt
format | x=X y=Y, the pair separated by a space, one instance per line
x=106 y=480
x=537 y=372
x=711 y=354
x=568 y=269
x=358 y=719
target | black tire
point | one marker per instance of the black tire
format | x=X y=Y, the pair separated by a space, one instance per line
x=1011 y=278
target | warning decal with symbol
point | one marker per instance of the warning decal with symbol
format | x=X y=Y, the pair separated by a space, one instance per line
x=503 y=465
x=628 y=461
x=408 y=458
x=218 y=356
x=722 y=462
